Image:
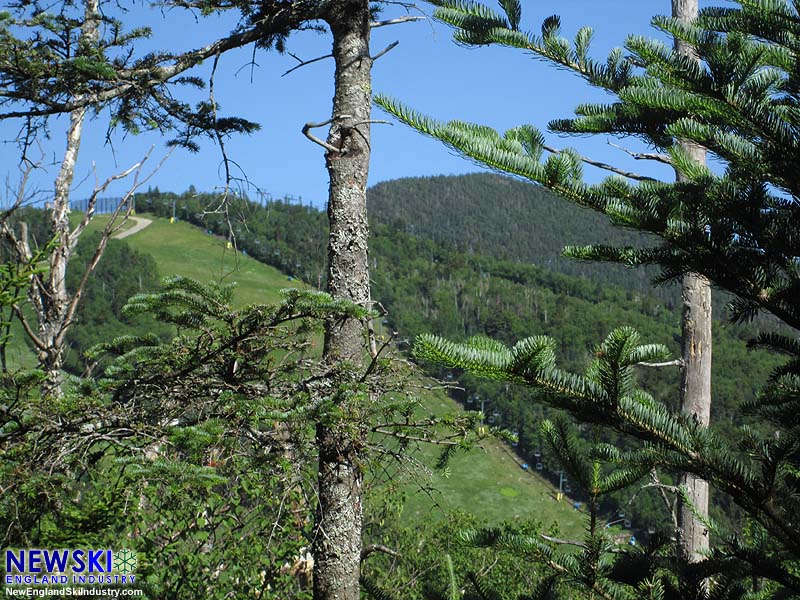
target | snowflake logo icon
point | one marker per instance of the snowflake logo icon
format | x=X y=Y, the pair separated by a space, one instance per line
x=125 y=561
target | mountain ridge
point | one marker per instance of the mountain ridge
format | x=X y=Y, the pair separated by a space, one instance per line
x=495 y=215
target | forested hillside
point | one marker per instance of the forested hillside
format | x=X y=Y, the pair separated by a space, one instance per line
x=498 y=216
x=430 y=286
x=434 y=286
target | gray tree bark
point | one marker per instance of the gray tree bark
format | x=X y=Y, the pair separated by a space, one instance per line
x=695 y=392
x=337 y=539
x=52 y=300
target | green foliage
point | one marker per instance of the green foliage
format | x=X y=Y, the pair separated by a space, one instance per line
x=435 y=564
x=193 y=450
x=736 y=98
x=526 y=223
x=736 y=105
x=197 y=451
x=606 y=395
x=14 y=278
x=121 y=273
x=52 y=63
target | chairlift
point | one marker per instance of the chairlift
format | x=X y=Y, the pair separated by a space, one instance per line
x=490 y=420
x=539 y=466
x=627 y=524
x=537 y=454
x=567 y=489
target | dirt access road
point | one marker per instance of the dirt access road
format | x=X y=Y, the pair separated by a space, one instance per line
x=139 y=223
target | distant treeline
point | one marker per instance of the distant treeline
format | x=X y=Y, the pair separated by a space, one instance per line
x=498 y=216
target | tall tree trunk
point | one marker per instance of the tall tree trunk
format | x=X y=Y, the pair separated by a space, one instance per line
x=337 y=539
x=696 y=352
x=53 y=300
x=695 y=401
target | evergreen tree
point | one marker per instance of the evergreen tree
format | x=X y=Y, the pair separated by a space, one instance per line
x=141 y=97
x=202 y=443
x=738 y=99
x=74 y=60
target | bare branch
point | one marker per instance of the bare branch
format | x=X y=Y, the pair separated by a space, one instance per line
x=604 y=166
x=372 y=548
x=374 y=351
x=373 y=122
x=303 y=63
x=99 y=189
x=678 y=362
x=672 y=507
x=20 y=193
x=20 y=244
x=396 y=21
x=415 y=438
x=212 y=101
x=111 y=227
x=555 y=540
x=316 y=140
x=388 y=48
x=28 y=329
x=662 y=158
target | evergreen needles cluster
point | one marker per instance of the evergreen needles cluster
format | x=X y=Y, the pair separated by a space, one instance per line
x=738 y=226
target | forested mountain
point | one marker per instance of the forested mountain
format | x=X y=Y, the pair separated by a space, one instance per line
x=494 y=215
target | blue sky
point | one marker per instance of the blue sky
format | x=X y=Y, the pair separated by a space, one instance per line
x=493 y=86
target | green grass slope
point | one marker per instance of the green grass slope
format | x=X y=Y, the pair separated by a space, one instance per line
x=180 y=248
x=489 y=483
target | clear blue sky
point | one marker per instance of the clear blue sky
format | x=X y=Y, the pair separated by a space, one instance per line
x=494 y=86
